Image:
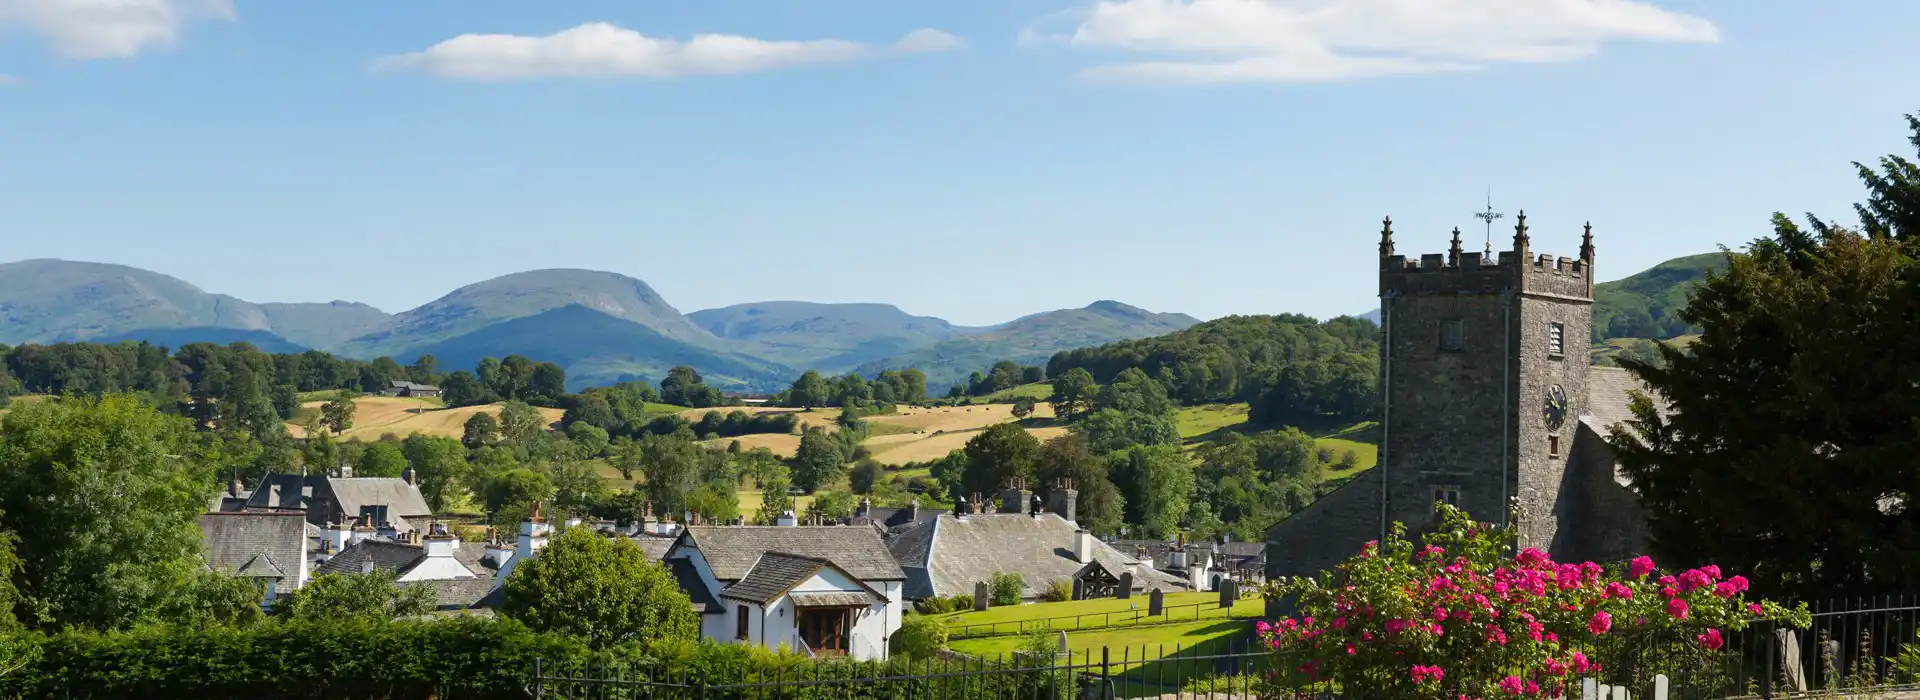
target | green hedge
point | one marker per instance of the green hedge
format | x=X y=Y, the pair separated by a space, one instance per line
x=478 y=658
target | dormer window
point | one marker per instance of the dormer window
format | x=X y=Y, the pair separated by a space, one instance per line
x=1452 y=335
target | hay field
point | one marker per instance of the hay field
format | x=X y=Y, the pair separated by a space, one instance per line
x=783 y=445
x=374 y=416
x=817 y=418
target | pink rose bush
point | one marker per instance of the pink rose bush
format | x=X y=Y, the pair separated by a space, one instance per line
x=1460 y=617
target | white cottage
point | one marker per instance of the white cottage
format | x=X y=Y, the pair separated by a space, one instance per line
x=821 y=591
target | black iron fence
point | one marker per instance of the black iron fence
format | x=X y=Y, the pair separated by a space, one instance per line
x=1215 y=671
x=1188 y=612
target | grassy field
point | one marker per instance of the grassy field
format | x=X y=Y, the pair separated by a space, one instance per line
x=1362 y=438
x=1205 y=419
x=1155 y=659
x=1038 y=391
x=1104 y=612
x=374 y=416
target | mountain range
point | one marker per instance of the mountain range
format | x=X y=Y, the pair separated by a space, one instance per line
x=600 y=326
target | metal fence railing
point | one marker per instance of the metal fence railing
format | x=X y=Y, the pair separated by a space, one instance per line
x=1188 y=612
x=1214 y=671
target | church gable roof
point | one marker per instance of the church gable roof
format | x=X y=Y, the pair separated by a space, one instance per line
x=1609 y=396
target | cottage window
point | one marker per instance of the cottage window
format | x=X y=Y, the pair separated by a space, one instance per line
x=740 y=623
x=1556 y=339
x=1449 y=495
x=1452 y=335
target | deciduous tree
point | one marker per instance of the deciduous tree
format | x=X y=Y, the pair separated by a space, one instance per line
x=600 y=589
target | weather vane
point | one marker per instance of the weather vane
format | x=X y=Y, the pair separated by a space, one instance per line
x=1488 y=216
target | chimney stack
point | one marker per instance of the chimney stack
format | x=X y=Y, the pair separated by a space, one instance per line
x=497 y=551
x=786 y=519
x=236 y=487
x=533 y=538
x=409 y=476
x=361 y=531
x=1082 y=545
x=1066 y=501
x=865 y=509
x=913 y=509
x=1016 y=499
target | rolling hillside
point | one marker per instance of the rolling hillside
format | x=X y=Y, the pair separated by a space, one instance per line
x=1032 y=339
x=831 y=338
x=48 y=301
x=522 y=295
x=596 y=348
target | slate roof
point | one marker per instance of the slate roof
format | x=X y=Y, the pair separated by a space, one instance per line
x=401 y=498
x=280 y=491
x=775 y=574
x=655 y=547
x=1608 y=398
x=832 y=599
x=454 y=594
x=962 y=551
x=890 y=518
x=689 y=580
x=732 y=551
x=256 y=544
x=390 y=556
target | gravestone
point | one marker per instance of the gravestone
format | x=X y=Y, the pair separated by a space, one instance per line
x=1229 y=593
x=1079 y=590
x=1787 y=644
x=1156 y=603
x=982 y=595
x=1126 y=586
x=1060 y=647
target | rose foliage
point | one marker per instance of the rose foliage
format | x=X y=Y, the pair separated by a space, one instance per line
x=1459 y=616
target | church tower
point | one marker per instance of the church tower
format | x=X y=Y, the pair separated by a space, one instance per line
x=1484 y=367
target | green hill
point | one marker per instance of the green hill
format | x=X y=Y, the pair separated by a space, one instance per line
x=1646 y=305
x=48 y=301
x=1030 y=340
x=831 y=338
x=596 y=348
x=521 y=295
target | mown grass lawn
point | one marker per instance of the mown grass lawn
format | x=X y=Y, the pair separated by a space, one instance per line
x=1361 y=438
x=1144 y=658
x=1096 y=614
x=1038 y=391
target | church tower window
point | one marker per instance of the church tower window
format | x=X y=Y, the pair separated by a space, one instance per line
x=1452 y=335
x=1556 y=339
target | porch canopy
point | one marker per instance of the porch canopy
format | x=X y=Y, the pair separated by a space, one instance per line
x=834 y=599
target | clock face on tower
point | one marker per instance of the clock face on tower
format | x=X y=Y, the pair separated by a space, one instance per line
x=1555 y=410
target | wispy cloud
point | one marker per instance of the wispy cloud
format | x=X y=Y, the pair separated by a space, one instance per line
x=90 y=29
x=11 y=80
x=604 y=50
x=1323 y=41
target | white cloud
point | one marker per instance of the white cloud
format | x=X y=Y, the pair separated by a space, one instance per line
x=11 y=80
x=601 y=49
x=929 y=41
x=88 y=29
x=1328 y=40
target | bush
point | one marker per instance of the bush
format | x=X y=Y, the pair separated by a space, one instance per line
x=1006 y=589
x=1458 y=617
x=603 y=590
x=919 y=637
x=963 y=602
x=1058 y=592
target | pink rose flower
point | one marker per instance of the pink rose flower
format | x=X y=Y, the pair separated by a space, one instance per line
x=1619 y=590
x=1712 y=640
x=1739 y=583
x=1677 y=608
x=1711 y=571
x=1580 y=663
x=1511 y=685
x=1600 y=623
x=1755 y=609
x=1640 y=566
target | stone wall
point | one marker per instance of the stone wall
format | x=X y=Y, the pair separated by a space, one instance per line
x=1542 y=451
x=1611 y=522
x=1328 y=531
x=1443 y=414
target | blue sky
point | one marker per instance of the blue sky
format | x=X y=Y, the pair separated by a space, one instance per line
x=971 y=160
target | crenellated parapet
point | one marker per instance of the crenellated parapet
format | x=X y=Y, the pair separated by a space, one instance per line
x=1518 y=269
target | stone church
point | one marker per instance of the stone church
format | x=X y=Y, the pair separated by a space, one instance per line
x=1488 y=397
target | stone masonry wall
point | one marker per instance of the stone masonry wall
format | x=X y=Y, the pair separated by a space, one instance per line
x=1554 y=294
x=1443 y=409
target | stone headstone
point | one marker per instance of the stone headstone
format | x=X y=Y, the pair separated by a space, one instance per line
x=1126 y=586
x=1060 y=647
x=1229 y=593
x=1079 y=590
x=982 y=595
x=1787 y=647
x=1156 y=603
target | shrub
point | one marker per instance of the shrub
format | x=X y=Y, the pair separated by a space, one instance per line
x=919 y=637
x=1006 y=588
x=1458 y=617
x=1040 y=641
x=1058 y=592
x=603 y=590
x=963 y=602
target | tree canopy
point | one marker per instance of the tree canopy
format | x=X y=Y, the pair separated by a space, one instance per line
x=601 y=589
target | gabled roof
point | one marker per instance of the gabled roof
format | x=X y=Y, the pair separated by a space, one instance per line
x=385 y=555
x=958 y=552
x=774 y=575
x=1608 y=396
x=260 y=566
x=401 y=498
x=260 y=543
x=280 y=491
x=732 y=551
x=689 y=580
